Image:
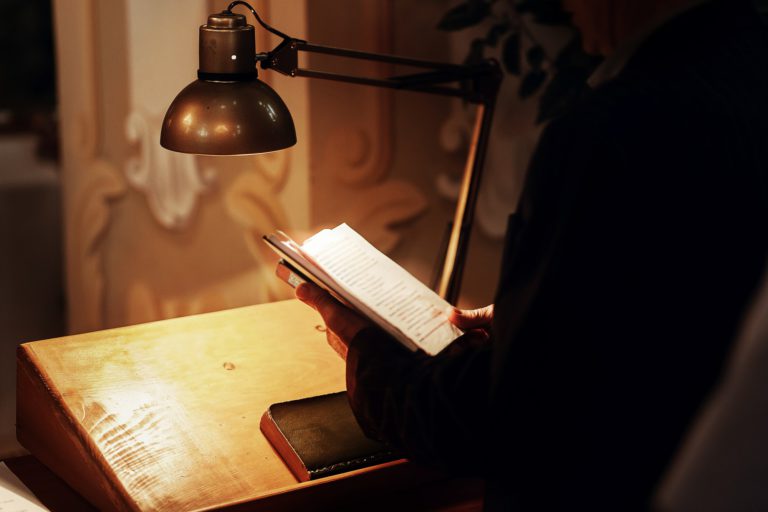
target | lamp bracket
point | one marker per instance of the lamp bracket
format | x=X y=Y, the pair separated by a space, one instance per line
x=477 y=83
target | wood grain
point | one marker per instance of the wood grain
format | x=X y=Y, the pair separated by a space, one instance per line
x=165 y=415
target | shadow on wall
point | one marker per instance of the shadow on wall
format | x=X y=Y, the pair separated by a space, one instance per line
x=31 y=288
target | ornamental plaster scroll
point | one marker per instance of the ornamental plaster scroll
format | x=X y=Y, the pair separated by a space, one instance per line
x=359 y=148
x=89 y=222
x=375 y=211
x=171 y=182
x=144 y=304
x=358 y=143
x=252 y=202
x=361 y=155
x=90 y=183
x=274 y=168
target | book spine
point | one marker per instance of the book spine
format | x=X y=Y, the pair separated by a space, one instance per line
x=279 y=442
x=288 y=275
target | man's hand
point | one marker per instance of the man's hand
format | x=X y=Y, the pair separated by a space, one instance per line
x=473 y=320
x=342 y=323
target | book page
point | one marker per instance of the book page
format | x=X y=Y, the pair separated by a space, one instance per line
x=384 y=286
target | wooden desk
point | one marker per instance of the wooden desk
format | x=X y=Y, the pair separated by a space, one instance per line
x=165 y=416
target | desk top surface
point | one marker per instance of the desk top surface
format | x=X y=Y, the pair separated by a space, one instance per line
x=173 y=407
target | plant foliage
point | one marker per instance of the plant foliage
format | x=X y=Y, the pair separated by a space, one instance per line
x=521 y=55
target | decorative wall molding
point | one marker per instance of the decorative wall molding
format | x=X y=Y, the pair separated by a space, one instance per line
x=360 y=155
x=145 y=304
x=90 y=183
x=274 y=168
x=376 y=211
x=91 y=218
x=252 y=202
x=353 y=131
x=359 y=151
x=171 y=182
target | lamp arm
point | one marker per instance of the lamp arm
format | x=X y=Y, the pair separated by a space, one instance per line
x=379 y=57
x=477 y=83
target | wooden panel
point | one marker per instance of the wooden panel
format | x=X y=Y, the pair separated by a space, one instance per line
x=165 y=415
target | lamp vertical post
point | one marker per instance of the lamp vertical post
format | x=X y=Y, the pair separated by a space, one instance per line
x=461 y=229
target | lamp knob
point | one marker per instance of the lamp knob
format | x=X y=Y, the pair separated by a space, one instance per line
x=226 y=19
x=227 y=47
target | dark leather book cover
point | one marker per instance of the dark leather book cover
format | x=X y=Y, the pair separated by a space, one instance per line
x=319 y=436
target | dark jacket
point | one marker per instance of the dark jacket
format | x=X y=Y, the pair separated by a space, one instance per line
x=640 y=237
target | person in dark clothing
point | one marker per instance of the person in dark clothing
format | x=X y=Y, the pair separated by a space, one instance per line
x=641 y=234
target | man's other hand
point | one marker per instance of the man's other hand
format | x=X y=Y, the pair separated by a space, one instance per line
x=473 y=320
x=342 y=324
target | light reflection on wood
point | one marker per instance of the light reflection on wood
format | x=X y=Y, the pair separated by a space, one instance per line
x=173 y=407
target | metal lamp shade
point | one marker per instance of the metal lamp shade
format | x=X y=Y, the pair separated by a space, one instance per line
x=227 y=118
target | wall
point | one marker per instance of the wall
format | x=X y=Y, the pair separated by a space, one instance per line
x=152 y=234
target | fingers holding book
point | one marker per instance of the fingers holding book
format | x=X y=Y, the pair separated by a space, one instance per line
x=477 y=320
x=343 y=324
x=378 y=290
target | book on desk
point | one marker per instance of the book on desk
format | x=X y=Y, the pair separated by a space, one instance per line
x=319 y=436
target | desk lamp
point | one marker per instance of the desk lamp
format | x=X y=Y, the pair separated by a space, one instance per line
x=229 y=111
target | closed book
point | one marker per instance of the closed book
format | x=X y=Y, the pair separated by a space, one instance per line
x=319 y=436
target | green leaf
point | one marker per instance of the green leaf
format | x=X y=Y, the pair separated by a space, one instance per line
x=572 y=55
x=555 y=17
x=510 y=53
x=464 y=15
x=568 y=84
x=495 y=33
x=535 y=56
x=545 y=12
x=524 y=6
x=559 y=94
x=531 y=83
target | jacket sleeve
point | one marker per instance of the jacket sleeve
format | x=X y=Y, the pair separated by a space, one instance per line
x=433 y=408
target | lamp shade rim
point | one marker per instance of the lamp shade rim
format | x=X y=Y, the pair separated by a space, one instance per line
x=227 y=118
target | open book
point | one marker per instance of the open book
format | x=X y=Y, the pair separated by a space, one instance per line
x=357 y=274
